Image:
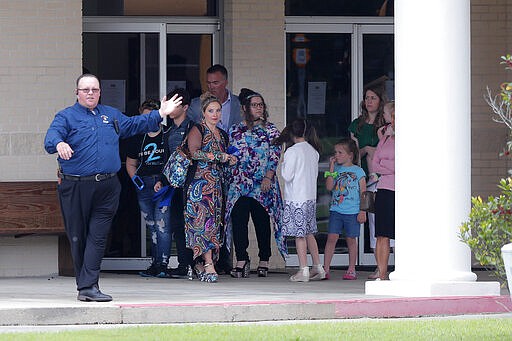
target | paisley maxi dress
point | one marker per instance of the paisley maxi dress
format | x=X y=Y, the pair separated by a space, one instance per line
x=205 y=199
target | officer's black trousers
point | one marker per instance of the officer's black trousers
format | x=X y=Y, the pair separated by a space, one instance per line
x=88 y=208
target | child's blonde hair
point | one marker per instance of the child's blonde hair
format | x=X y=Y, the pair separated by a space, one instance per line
x=350 y=147
x=390 y=106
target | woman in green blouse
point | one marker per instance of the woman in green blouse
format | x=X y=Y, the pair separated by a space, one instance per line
x=363 y=130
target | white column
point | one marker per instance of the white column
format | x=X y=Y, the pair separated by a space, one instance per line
x=433 y=152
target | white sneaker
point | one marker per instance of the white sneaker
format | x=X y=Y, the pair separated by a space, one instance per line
x=301 y=276
x=317 y=273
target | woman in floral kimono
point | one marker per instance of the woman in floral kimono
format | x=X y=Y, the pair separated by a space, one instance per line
x=254 y=189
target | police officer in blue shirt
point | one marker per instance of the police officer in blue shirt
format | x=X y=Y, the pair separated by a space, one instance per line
x=86 y=138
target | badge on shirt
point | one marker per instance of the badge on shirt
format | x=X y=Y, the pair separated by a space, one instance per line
x=104 y=118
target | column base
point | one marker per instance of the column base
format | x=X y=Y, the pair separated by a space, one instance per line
x=430 y=289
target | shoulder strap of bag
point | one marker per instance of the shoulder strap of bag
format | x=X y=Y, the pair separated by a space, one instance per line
x=225 y=136
x=190 y=124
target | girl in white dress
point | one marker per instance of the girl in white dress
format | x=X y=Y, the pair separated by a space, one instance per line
x=299 y=171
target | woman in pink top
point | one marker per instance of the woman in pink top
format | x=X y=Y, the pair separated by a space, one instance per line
x=383 y=163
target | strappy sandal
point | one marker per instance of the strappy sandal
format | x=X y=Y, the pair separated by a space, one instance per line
x=210 y=277
x=242 y=272
x=199 y=273
x=191 y=273
x=350 y=275
x=375 y=274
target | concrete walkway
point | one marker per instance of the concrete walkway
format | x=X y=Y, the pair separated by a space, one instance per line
x=137 y=300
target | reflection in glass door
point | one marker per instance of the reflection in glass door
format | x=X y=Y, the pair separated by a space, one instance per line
x=127 y=62
x=188 y=57
x=325 y=73
x=129 y=57
x=318 y=88
x=377 y=56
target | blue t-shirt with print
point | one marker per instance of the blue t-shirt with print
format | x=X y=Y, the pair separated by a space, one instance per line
x=346 y=192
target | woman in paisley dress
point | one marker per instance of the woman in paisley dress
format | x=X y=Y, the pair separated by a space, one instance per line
x=254 y=189
x=300 y=171
x=204 y=208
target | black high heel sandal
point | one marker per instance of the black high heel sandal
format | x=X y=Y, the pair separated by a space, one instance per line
x=242 y=272
x=262 y=271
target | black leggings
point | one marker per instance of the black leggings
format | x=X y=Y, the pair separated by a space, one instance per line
x=240 y=221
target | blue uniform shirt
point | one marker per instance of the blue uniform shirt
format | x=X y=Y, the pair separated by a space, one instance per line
x=93 y=137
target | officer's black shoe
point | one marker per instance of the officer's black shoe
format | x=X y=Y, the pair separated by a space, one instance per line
x=93 y=294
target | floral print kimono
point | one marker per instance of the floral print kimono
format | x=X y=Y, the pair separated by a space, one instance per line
x=257 y=156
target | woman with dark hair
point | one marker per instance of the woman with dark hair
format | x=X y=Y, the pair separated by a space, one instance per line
x=204 y=209
x=363 y=130
x=254 y=189
x=300 y=171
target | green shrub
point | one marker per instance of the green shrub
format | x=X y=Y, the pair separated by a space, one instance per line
x=489 y=228
x=490 y=222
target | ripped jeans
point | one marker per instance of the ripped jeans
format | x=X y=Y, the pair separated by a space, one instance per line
x=157 y=221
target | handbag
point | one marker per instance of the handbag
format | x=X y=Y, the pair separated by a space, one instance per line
x=176 y=168
x=367 y=201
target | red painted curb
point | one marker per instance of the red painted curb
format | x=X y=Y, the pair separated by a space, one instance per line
x=430 y=306
x=389 y=307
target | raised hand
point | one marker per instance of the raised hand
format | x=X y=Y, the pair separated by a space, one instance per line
x=168 y=106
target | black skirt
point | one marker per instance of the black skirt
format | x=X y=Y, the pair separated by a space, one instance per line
x=385 y=213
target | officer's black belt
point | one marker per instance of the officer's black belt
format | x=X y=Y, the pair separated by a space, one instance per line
x=97 y=177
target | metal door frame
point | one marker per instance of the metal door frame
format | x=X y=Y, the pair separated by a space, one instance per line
x=360 y=30
x=162 y=26
x=357 y=27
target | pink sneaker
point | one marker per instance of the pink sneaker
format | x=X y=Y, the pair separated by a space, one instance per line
x=350 y=276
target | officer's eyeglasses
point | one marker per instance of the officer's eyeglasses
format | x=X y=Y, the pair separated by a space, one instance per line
x=86 y=91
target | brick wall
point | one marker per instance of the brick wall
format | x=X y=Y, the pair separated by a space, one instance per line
x=41 y=55
x=39 y=59
x=490 y=38
x=255 y=51
x=28 y=256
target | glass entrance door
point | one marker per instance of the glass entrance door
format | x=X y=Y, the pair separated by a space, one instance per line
x=136 y=61
x=318 y=89
x=328 y=61
x=376 y=56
